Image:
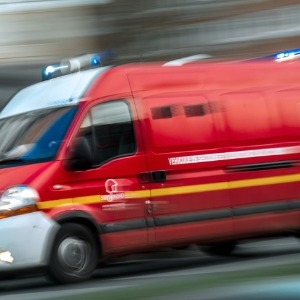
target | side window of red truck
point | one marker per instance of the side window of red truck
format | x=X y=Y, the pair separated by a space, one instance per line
x=109 y=131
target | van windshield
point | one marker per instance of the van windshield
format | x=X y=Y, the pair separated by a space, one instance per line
x=35 y=135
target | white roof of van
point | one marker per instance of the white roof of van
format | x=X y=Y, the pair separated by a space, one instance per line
x=60 y=91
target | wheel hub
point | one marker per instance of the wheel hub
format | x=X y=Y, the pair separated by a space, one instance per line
x=73 y=254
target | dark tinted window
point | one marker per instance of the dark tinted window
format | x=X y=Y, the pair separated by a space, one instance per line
x=109 y=130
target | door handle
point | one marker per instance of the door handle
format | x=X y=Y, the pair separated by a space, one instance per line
x=158 y=176
x=153 y=176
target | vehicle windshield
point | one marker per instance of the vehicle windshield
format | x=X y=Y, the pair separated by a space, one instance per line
x=34 y=122
x=35 y=135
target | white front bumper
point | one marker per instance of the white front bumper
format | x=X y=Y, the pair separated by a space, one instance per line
x=25 y=241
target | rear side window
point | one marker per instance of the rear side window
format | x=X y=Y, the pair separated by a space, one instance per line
x=179 y=123
x=109 y=129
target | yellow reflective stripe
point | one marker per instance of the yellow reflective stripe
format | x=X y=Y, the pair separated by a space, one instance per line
x=88 y=199
x=206 y=187
x=264 y=181
x=54 y=203
x=199 y=188
x=138 y=194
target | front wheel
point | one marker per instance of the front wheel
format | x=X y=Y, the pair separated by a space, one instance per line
x=74 y=255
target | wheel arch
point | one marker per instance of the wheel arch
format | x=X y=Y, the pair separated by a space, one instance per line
x=85 y=219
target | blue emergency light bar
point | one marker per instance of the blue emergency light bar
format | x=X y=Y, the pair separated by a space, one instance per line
x=287 y=55
x=82 y=62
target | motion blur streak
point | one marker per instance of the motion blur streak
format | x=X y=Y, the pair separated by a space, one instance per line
x=46 y=30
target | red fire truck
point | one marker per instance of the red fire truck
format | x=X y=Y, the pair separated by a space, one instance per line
x=111 y=161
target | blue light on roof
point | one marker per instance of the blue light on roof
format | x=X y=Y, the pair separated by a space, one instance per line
x=96 y=60
x=49 y=70
x=287 y=55
x=52 y=71
x=76 y=64
x=103 y=58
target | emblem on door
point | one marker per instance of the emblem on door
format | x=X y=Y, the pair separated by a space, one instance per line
x=112 y=188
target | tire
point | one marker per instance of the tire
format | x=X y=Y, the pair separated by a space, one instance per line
x=220 y=249
x=74 y=255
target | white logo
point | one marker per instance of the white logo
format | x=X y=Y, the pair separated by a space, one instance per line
x=112 y=188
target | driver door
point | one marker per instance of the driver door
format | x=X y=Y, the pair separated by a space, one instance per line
x=111 y=189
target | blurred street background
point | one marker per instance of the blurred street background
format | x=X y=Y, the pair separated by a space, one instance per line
x=36 y=32
x=40 y=30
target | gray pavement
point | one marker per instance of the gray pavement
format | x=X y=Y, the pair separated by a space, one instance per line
x=181 y=274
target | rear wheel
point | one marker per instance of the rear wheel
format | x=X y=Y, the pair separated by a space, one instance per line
x=221 y=249
x=74 y=255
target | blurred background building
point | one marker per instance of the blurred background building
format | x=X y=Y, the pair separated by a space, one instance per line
x=40 y=30
x=37 y=32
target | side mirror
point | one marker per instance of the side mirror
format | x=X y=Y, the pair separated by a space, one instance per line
x=80 y=157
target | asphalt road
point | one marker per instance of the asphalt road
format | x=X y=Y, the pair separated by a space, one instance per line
x=154 y=276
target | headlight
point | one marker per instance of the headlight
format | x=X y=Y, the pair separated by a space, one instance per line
x=18 y=200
